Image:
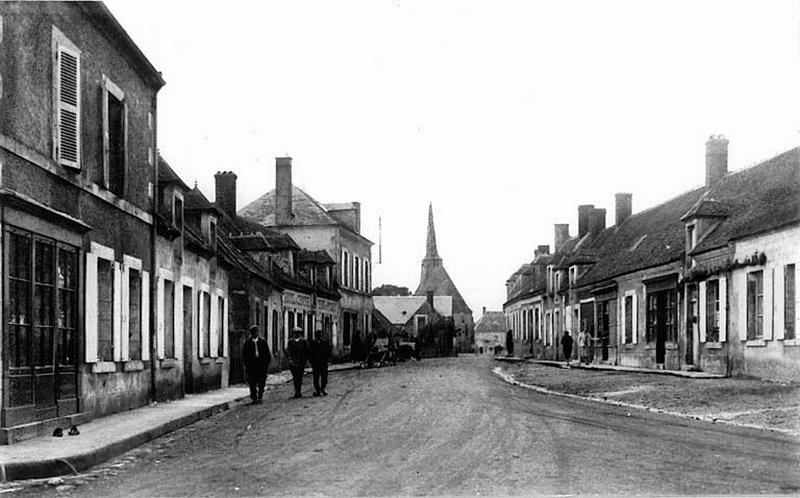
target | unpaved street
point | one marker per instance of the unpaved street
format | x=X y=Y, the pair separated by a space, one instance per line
x=443 y=427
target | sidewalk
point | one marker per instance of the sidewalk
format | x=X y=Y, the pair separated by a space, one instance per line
x=743 y=402
x=677 y=373
x=106 y=437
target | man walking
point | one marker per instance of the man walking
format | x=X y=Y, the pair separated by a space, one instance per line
x=297 y=354
x=320 y=354
x=256 y=356
x=566 y=345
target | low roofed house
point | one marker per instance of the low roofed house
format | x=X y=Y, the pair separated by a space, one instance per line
x=490 y=332
x=411 y=314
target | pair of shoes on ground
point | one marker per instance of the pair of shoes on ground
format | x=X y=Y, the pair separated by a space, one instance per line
x=256 y=401
x=73 y=431
x=297 y=395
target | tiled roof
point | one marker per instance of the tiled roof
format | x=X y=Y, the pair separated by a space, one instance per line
x=166 y=175
x=320 y=257
x=760 y=198
x=194 y=200
x=250 y=242
x=439 y=282
x=241 y=227
x=306 y=210
x=393 y=307
x=623 y=249
x=491 y=321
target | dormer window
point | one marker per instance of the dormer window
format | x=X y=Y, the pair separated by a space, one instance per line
x=177 y=212
x=691 y=236
x=573 y=274
x=212 y=233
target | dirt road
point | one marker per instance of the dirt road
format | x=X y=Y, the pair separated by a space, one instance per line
x=443 y=427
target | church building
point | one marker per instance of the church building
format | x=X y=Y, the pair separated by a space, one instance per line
x=434 y=278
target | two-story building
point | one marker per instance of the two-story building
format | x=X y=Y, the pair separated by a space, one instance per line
x=77 y=179
x=333 y=228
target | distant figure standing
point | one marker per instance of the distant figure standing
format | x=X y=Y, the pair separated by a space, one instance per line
x=582 y=354
x=566 y=345
x=320 y=354
x=297 y=354
x=255 y=354
x=510 y=343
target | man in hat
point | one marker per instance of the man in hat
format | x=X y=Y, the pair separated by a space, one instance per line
x=320 y=354
x=297 y=354
x=256 y=356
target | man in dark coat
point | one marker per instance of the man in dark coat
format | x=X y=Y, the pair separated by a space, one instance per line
x=256 y=356
x=319 y=355
x=297 y=354
x=510 y=343
x=566 y=345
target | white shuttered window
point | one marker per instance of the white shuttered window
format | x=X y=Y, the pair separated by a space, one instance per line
x=67 y=100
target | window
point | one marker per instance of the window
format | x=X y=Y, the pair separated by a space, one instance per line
x=575 y=319
x=67 y=288
x=712 y=311
x=671 y=316
x=177 y=213
x=105 y=310
x=134 y=314
x=789 y=303
x=212 y=234
x=421 y=320
x=356 y=268
x=221 y=325
x=755 y=305
x=205 y=324
x=310 y=325
x=67 y=102
x=572 y=273
x=345 y=269
x=629 y=319
x=536 y=328
x=662 y=311
x=169 y=319
x=346 y=328
x=691 y=236
x=114 y=137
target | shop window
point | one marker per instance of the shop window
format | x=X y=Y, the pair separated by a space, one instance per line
x=712 y=311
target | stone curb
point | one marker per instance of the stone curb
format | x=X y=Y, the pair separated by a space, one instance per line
x=48 y=467
x=609 y=368
x=508 y=378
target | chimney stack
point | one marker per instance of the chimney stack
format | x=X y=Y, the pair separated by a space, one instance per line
x=484 y=310
x=623 y=207
x=597 y=221
x=561 y=236
x=583 y=219
x=225 y=182
x=716 y=159
x=283 y=190
x=429 y=295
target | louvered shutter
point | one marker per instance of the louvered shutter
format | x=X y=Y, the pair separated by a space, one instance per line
x=68 y=112
x=705 y=309
x=723 y=309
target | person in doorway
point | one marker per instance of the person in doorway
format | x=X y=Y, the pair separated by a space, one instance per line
x=582 y=353
x=319 y=355
x=566 y=346
x=297 y=354
x=256 y=357
x=509 y=343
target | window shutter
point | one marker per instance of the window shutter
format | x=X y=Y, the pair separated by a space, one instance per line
x=68 y=98
x=635 y=319
x=213 y=333
x=723 y=309
x=768 y=293
x=145 y=309
x=703 y=311
x=225 y=327
x=160 y=311
x=91 y=308
x=118 y=311
x=124 y=318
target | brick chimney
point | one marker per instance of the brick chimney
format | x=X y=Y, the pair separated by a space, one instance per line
x=225 y=182
x=623 y=207
x=597 y=221
x=583 y=219
x=561 y=236
x=283 y=190
x=716 y=159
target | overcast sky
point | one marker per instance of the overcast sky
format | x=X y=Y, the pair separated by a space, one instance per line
x=505 y=114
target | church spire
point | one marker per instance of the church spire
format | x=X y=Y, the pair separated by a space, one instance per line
x=431 y=252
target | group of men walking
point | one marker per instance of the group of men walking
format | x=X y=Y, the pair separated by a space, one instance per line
x=257 y=357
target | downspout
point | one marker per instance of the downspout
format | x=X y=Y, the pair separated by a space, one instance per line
x=153 y=263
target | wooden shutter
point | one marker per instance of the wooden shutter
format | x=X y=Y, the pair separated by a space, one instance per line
x=704 y=310
x=723 y=309
x=145 y=311
x=90 y=298
x=68 y=97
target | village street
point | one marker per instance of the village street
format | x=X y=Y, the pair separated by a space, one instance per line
x=442 y=426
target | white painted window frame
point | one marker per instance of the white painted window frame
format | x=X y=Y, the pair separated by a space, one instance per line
x=634 y=317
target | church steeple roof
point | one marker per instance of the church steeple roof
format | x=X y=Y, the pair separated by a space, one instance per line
x=431 y=252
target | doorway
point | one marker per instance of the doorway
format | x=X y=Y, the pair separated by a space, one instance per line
x=188 y=305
